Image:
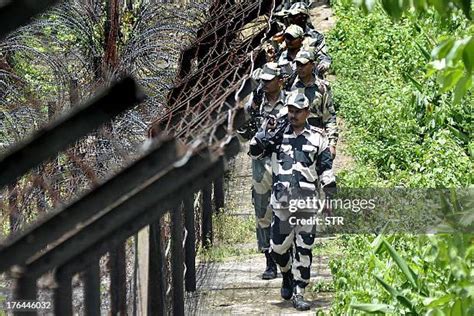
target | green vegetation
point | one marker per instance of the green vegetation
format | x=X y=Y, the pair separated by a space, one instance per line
x=402 y=131
x=409 y=119
x=230 y=233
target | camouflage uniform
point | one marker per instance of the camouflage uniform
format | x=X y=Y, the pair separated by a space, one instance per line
x=314 y=40
x=261 y=173
x=283 y=59
x=323 y=114
x=300 y=163
x=261 y=169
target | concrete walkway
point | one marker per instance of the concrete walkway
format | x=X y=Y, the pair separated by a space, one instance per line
x=235 y=287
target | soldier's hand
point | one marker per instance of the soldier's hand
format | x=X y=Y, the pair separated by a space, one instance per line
x=332 y=149
x=270 y=54
x=321 y=68
x=271 y=125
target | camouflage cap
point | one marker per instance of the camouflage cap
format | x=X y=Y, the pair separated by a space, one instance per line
x=295 y=31
x=298 y=8
x=270 y=71
x=285 y=66
x=281 y=14
x=304 y=56
x=298 y=100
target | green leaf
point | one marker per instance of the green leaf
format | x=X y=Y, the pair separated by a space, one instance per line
x=379 y=245
x=376 y=243
x=424 y=52
x=417 y=85
x=435 y=312
x=462 y=136
x=457 y=308
x=420 y=5
x=411 y=277
x=440 y=51
x=393 y=8
x=435 y=302
x=450 y=78
x=456 y=51
x=405 y=302
x=440 y=6
x=373 y=308
x=468 y=55
x=387 y=287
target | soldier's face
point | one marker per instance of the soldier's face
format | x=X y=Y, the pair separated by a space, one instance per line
x=293 y=43
x=297 y=117
x=304 y=70
x=272 y=86
x=299 y=19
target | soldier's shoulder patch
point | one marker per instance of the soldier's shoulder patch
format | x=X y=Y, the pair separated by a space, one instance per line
x=318 y=130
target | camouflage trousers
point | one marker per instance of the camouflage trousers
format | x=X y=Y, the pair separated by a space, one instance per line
x=261 y=190
x=290 y=247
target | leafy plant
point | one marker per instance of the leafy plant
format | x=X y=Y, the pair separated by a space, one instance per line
x=404 y=89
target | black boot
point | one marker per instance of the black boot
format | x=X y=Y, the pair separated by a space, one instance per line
x=287 y=285
x=271 y=270
x=298 y=300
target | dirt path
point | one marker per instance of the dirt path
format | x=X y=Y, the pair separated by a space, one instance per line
x=235 y=286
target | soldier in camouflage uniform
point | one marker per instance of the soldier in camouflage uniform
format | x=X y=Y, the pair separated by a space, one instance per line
x=298 y=14
x=318 y=92
x=294 y=37
x=301 y=161
x=267 y=103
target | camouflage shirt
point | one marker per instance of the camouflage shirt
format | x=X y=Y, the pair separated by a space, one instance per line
x=313 y=40
x=322 y=109
x=277 y=111
x=299 y=164
x=316 y=41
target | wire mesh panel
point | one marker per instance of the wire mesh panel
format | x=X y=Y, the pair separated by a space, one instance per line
x=192 y=60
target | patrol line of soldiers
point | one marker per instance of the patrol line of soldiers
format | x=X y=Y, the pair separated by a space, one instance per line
x=293 y=135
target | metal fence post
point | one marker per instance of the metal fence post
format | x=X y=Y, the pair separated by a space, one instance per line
x=62 y=296
x=219 y=193
x=190 y=246
x=156 y=300
x=91 y=278
x=118 y=290
x=177 y=261
x=206 y=230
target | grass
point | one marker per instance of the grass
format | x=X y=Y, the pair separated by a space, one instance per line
x=326 y=247
x=231 y=234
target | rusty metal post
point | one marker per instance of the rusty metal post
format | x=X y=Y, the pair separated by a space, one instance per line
x=92 y=289
x=219 y=193
x=206 y=229
x=156 y=300
x=24 y=288
x=177 y=260
x=190 y=245
x=118 y=290
x=62 y=296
